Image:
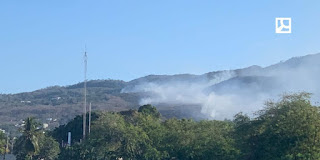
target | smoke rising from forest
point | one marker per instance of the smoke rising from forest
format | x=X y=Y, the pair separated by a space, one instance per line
x=230 y=92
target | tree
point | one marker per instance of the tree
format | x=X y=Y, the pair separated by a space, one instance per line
x=49 y=148
x=284 y=130
x=3 y=144
x=149 y=110
x=74 y=126
x=34 y=144
x=27 y=146
x=112 y=137
x=188 y=139
x=142 y=135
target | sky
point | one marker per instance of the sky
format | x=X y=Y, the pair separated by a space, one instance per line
x=42 y=42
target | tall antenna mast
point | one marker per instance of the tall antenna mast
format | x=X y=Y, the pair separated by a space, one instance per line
x=85 y=95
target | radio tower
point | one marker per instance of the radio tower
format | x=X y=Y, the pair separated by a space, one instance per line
x=85 y=95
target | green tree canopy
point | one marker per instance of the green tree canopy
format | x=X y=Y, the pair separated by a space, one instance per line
x=284 y=130
x=3 y=139
x=33 y=144
x=149 y=110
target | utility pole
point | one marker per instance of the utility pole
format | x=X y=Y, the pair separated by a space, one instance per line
x=89 y=128
x=12 y=141
x=6 y=148
x=85 y=95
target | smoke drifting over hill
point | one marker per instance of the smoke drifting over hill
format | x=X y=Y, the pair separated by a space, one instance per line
x=225 y=93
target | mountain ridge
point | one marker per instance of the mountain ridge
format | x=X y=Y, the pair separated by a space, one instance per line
x=63 y=102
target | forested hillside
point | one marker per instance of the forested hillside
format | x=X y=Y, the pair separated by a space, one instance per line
x=213 y=95
x=285 y=129
x=56 y=105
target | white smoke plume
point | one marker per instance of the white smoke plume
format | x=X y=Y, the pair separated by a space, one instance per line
x=229 y=92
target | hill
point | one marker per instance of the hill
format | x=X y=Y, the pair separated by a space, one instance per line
x=217 y=94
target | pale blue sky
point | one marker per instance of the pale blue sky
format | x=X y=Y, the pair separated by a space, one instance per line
x=42 y=42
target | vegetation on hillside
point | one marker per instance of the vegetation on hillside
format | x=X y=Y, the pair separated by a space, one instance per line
x=284 y=130
x=61 y=104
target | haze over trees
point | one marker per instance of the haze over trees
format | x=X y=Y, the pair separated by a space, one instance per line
x=212 y=95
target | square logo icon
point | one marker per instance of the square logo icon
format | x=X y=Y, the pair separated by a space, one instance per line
x=283 y=25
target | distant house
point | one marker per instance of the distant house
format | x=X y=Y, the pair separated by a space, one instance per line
x=45 y=125
x=2 y=130
x=56 y=98
x=25 y=101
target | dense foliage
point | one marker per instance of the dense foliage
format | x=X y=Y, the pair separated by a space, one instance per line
x=34 y=144
x=3 y=147
x=289 y=129
x=284 y=130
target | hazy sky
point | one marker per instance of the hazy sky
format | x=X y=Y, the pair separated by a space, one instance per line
x=42 y=42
